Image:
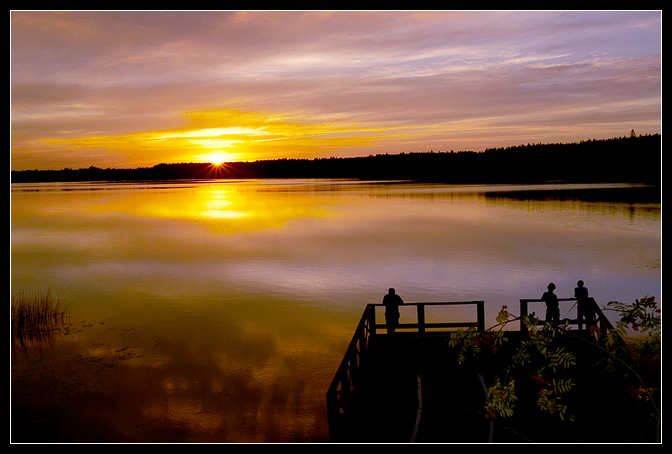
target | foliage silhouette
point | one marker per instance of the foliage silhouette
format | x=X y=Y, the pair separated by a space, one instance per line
x=555 y=385
x=626 y=159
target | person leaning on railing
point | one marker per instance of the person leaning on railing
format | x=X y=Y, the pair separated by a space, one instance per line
x=585 y=307
x=391 y=301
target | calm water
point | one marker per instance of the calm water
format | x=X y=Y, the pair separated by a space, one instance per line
x=220 y=310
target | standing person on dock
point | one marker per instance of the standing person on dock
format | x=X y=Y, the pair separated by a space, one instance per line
x=552 y=305
x=391 y=301
x=584 y=308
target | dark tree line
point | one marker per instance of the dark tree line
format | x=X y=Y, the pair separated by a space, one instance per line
x=627 y=159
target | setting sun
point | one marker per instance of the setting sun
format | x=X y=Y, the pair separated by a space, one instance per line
x=212 y=84
x=209 y=137
x=220 y=202
x=217 y=157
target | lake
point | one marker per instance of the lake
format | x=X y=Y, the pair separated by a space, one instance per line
x=219 y=310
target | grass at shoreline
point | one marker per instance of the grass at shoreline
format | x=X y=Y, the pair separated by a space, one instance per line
x=35 y=315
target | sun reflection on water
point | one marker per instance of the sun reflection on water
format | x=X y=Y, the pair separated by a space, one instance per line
x=243 y=295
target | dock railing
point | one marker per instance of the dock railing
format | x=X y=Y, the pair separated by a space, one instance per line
x=600 y=319
x=421 y=326
x=344 y=384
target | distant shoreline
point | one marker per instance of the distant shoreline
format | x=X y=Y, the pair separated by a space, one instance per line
x=635 y=159
x=634 y=194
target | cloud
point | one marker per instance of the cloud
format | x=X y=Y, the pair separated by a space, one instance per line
x=453 y=79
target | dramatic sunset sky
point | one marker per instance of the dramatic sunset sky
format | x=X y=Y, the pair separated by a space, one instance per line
x=128 y=89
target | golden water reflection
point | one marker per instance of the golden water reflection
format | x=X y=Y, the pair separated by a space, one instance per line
x=219 y=310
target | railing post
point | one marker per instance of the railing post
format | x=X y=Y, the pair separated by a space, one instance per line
x=372 y=321
x=523 y=314
x=480 y=314
x=421 y=318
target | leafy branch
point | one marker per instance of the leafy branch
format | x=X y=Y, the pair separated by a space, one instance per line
x=537 y=350
x=543 y=363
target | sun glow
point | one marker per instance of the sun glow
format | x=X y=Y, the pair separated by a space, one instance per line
x=217 y=157
x=257 y=136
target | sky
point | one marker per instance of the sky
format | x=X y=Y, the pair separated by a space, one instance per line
x=126 y=89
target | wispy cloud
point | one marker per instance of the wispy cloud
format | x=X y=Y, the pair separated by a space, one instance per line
x=99 y=88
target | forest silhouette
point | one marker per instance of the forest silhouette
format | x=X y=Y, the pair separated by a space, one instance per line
x=625 y=159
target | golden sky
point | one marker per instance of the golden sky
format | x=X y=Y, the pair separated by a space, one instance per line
x=128 y=89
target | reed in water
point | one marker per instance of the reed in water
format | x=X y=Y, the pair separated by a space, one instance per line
x=35 y=316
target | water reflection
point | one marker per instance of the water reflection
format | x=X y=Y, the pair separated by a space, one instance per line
x=219 y=310
x=35 y=318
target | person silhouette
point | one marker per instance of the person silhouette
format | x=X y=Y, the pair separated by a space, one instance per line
x=391 y=301
x=584 y=307
x=552 y=305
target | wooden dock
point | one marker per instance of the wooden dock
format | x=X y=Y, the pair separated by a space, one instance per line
x=404 y=387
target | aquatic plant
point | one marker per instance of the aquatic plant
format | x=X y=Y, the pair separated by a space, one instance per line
x=35 y=316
